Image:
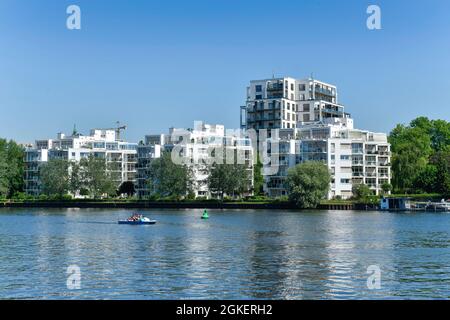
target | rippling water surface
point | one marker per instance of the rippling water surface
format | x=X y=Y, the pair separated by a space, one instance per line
x=236 y=254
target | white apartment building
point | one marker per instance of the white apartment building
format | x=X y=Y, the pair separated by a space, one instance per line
x=101 y=143
x=353 y=156
x=306 y=120
x=197 y=148
x=282 y=103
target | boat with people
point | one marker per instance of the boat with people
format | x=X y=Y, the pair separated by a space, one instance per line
x=137 y=219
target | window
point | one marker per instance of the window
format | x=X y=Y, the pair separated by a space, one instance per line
x=258 y=88
x=306 y=118
x=302 y=87
x=292 y=86
x=306 y=108
x=345 y=181
x=258 y=97
x=345 y=157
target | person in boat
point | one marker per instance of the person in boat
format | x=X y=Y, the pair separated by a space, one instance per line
x=134 y=217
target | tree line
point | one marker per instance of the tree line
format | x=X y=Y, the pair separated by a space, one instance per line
x=169 y=180
x=421 y=157
x=92 y=177
x=11 y=168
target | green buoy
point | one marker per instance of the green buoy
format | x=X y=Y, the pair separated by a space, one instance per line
x=205 y=215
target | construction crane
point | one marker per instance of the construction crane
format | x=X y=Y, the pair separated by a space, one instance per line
x=117 y=129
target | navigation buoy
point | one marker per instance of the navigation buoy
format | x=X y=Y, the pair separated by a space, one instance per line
x=205 y=215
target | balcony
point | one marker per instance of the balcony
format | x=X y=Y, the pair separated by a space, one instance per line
x=275 y=86
x=358 y=174
x=324 y=91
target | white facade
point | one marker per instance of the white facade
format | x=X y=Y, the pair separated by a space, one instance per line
x=306 y=121
x=100 y=143
x=282 y=103
x=353 y=156
x=195 y=147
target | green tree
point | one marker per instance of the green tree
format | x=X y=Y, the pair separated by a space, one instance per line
x=440 y=135
x=54 y=177
x=258 y=179
x=11 y=168
x=75 y=178
x=386 y=187
x=442 y=162
x=361 y=191
x=308 y=183
x=16 y=167
x=426 y=179
x=168 y=179
x=411 y=147
x=414 y=150
x=127 y=187
x=4 y=184
x=228 y=179
x=438 y=130
x=97 y=180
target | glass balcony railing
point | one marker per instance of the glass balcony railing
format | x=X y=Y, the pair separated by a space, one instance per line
x=324 y=91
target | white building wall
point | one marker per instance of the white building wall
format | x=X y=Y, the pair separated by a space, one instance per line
x=101 y=143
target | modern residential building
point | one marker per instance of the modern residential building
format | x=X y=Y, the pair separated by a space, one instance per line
x=198 y=148
x=282 y=103
x=147 y=150
x=353 y=156
x=101 y=143
x=307 y=123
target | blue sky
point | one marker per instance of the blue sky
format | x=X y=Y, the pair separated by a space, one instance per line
x=157 y=64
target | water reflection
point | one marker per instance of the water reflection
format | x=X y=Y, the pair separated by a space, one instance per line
x=234 y=255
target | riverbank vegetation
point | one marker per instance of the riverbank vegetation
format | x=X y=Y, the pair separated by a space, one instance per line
x=89 y=177
x=11 y=168
x=421 y=157
x=308 y=184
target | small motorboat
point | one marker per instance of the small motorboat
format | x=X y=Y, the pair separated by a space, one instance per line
x=137 y=219
x=205 y=215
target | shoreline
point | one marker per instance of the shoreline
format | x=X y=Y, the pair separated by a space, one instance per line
x=175 y=205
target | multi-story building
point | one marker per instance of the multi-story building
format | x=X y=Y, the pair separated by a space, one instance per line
x=147 y=150
x=282 y=103
x=353 y=156
x=198 y=148
x=101 y=143
x=307 y=123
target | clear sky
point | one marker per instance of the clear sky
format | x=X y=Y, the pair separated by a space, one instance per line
x=157 y=64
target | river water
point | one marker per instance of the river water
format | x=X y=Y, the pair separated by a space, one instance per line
x=236 y=254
